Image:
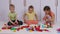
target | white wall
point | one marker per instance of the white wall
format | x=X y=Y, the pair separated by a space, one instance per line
x=4 y=9
x=58 y=11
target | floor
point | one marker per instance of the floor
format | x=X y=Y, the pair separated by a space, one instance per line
x=52 y=30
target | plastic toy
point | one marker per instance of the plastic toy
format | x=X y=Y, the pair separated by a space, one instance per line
x=37 y=28
x=18 y=29
x=27 y=29
x=9 y=27
x=43 y=26
x=3 y=28
x=58 y=30
x=6 y=27
x=14 y=31
x=30 y=31
x=46 y=30
x=48 y=23
x=31 y=28
x=13 y=28
x=24 y=27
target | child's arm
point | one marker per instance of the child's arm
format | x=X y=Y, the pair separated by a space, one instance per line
x=36 y=17
x=52 y=18
x=44 y=18
x=24 y=17
x=10 y=20
x=16 y=18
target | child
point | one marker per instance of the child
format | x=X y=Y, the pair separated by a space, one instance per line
x=13 y=16
x=49 y=15
x=31 y=16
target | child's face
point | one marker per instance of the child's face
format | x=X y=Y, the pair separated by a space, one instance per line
x=47 y=12
x=31 y=9
x=12 y=9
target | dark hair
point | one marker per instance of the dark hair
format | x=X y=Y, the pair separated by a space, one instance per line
x=46 y=8
x=30 y=7
x=12 y=5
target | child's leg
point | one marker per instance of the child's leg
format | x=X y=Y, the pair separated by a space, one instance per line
x=29 y=22
x=20 y=22
x=35 y=22
x=9 y=23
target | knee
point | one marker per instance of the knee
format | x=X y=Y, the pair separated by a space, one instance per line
x=20 y=23
x=9 y=23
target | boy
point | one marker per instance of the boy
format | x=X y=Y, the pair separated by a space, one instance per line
x=13 y=16
x=49 y=16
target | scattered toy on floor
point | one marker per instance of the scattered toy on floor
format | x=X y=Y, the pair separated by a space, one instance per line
x=44 y=26
x=27 y=28
x=4 y=27
x=46 y=30
x=13 y=28
x=58 y=30
x=24 y=27
x=30 y=31
x=37 y=28
x=18 y=29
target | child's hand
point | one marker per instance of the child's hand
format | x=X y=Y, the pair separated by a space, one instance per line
x=24 y=21
x=16 y=22
x=13 y=23
x=47 y=20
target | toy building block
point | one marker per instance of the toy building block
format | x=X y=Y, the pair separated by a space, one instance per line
x=14 y=31
x=30 y=31
x=43 y=26
x=38 y=28
x=27 y=29
x=31 y=28
x=18 y=29
x=24 y=27
x=3 y=28
x=9 y=27
x=13 y=28
x=58 y=29
x=49 y=25
x=46 y=30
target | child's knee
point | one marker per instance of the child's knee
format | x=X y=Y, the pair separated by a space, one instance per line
x=9 y=23
x=20 y=23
